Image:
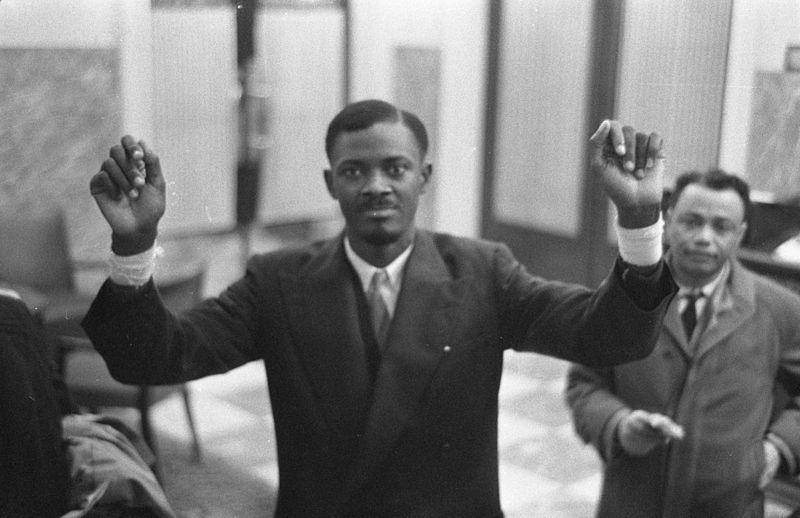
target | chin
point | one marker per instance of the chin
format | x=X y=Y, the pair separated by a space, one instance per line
x=703 y=275
x=378 y=233
x=381 y=238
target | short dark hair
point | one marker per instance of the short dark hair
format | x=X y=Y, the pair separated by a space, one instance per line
x=715 y=179
x=365 y=114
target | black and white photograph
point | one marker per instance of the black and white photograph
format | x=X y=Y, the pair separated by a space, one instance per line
x=399 y=259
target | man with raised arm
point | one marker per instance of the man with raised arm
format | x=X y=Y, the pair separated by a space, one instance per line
x=384 y=345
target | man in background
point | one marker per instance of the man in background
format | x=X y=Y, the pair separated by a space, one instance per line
x=689 y=431
x=383 y=346
x=34 y=474
x=55 y=461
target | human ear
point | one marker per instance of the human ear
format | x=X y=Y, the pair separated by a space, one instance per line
x=667 y=216
x=425 y=174
x=742 y=231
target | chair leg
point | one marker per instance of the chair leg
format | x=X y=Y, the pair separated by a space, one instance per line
x=147 y=430
x=196 y=454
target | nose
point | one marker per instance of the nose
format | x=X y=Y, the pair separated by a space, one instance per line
x=376 y=183
x=705 y=234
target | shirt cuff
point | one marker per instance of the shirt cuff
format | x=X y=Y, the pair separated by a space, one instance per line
x=787 y=457
x=641 y=246
x=133 y=270
x=8 y=292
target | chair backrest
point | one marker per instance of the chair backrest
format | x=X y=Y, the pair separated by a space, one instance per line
x=86 y=374
x=34 y=251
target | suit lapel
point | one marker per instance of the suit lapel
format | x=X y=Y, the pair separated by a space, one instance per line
x=674 y=326
x=736 y=305
x=424 y=317
x=323 y=316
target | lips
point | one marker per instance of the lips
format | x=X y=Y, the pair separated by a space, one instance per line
x=379 y=210
x=700 y=256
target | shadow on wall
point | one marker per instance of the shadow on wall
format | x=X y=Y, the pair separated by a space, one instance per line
x=61 y=112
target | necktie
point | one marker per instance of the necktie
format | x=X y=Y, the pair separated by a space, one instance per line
x=377 y=306
x=689 y=316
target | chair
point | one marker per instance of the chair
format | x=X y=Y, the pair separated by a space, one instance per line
x=92 y=386
x=35 y=260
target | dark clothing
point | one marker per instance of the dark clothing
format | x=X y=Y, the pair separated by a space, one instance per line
x=34 y=476
x=422 y=439
x=719 y=387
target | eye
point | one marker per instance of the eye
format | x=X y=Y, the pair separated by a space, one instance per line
x=724 y=226
x=691 y=221
x=396 y=169
x=350 y=171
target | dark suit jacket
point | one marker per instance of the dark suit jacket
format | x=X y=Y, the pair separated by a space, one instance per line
x=422 y=439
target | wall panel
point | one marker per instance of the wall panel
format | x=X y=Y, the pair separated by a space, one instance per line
x=195 y=95
x=542 y=97
x=301 y=59
x=60 y=89
x=672 y=76
x=760 y=33
x=58 y=108
x=458 y=29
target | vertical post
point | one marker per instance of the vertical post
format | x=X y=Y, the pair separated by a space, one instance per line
x=347 y=45
x=495 y=13
x=606 y=41
x=249 y=161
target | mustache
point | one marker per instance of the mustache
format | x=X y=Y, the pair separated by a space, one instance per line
x=377 y=204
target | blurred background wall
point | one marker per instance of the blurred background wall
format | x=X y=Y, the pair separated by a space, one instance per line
x=510 y=90
x=60 y=90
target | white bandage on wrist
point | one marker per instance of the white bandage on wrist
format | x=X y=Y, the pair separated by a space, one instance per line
x=641 y=246
x=134 y=270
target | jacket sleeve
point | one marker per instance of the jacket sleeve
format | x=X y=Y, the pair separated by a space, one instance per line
x=596 y=411
x=142 y=342
x=784 y=431
x=618 y=322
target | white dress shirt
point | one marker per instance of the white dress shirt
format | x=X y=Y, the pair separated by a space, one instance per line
x=394 y=270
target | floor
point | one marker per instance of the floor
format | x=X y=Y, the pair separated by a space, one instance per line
x=545 y=470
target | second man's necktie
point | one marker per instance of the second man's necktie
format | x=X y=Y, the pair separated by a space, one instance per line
x=689 y=316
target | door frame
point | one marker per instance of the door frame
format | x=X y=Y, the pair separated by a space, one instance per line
x=587 y=257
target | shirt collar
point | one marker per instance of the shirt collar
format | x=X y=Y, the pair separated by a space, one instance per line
x=365 y=270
